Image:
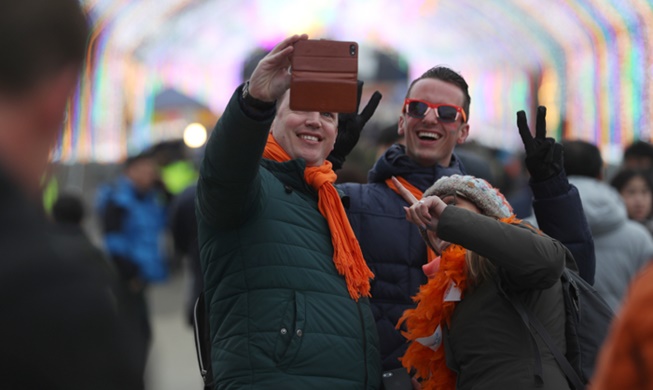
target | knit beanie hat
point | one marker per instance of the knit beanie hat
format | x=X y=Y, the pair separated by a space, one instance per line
x=487 y=198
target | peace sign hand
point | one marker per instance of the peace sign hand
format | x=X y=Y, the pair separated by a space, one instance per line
x=350 y=126
x=543 y=155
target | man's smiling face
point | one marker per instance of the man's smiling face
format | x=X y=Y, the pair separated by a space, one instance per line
x=302 y=134
x=429 y=141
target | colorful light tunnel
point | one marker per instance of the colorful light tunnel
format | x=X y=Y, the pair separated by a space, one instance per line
x=589 y=61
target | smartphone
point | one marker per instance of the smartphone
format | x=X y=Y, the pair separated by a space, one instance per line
x=324 y=76
x=397 y=379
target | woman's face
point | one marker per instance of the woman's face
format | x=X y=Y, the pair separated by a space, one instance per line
x=438 y=244
x=638 y=199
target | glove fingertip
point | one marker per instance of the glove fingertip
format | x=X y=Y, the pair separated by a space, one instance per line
x=371 y=106
x=521 y=118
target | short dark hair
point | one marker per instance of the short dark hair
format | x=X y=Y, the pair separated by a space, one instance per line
x=39 y=38
x=68 y=208
x=639 y=149
x=137 y=158
x=624 y=176
x=582 y=159
x=449 y=76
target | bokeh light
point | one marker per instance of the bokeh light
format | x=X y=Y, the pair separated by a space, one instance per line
x=195 y=135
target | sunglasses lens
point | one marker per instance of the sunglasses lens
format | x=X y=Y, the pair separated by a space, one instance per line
x=447 y=113
x=417 y=109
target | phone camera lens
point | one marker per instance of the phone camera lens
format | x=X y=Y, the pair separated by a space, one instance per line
x=352 y=50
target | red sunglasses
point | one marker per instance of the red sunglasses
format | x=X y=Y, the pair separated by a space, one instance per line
x=446 y=113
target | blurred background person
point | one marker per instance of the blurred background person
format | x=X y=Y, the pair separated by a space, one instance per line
x=133 y=217
x=626 y=359
x=68 y=213
x=638 y=155
x=385 y=138
x=177 y=169
x=636 y=189
x=622 y=246
x=182 y=223
x=68 y=210
x=62 y=326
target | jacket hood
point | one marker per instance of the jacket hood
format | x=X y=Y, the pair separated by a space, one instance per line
x=603 y=206
x=395 y=162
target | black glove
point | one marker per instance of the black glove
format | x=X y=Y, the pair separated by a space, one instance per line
x=350 y=127
x=543 y=155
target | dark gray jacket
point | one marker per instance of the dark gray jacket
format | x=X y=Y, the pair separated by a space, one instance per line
x=488 y=344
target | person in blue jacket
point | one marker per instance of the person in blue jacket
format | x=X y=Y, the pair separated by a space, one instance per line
x=434 y=119
x=133 y=217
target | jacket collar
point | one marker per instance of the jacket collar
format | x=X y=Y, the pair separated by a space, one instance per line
x=395 y=162
x=290 y=173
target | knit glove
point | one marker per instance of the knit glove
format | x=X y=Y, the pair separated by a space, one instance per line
x=543 y=155
x=350 y=127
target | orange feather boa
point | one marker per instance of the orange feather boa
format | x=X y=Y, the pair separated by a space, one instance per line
x=432 y=311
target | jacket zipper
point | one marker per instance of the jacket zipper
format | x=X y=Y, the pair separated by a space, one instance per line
x=360 y=315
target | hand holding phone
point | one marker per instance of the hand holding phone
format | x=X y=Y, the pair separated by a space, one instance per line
x=324 y=76
x=270 y=79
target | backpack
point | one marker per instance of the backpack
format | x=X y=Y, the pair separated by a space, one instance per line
x=587 y=321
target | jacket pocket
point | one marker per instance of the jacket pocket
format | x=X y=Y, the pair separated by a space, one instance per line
x=291 y=331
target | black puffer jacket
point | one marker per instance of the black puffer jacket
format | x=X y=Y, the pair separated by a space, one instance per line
x=393 y=247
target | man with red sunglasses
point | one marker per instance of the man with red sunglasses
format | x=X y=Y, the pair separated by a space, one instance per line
x=434 y=118
x=433 y=121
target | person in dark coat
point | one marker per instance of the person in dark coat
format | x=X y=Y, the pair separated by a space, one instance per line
x=68 y=213
x=132 y=212
x=392 y=247
x=626 y=358
x=465 y=332
x=61 y=324
x=286 y=285
x=182 y=223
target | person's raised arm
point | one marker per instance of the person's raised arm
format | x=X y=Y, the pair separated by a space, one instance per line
x=228 y=183
x=556 y=203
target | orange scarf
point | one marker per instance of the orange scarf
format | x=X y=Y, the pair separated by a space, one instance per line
x=430 y=254
x=432 y=310
x=347 y=255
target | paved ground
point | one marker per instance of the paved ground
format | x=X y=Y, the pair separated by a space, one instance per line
x=172 y=363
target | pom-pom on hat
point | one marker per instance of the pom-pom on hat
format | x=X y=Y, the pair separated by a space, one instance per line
x=487 y=198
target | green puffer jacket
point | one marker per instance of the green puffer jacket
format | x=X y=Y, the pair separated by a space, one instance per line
x=281 y=316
